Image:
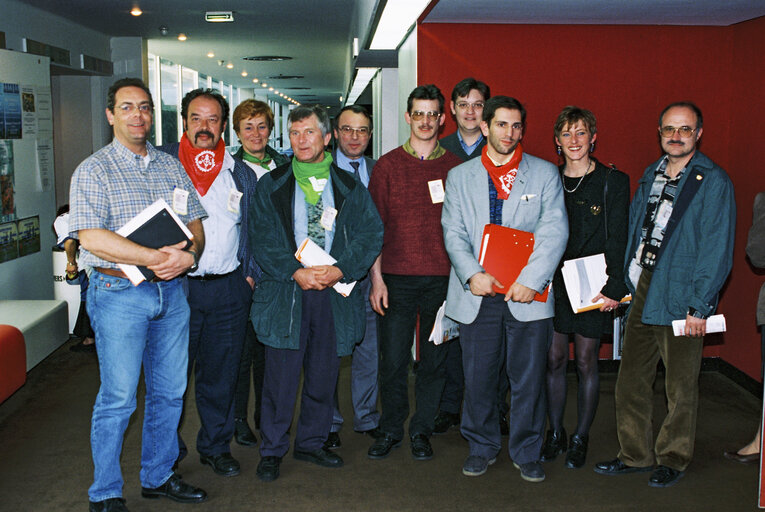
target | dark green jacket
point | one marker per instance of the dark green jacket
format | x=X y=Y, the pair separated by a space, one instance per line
x=277 y=302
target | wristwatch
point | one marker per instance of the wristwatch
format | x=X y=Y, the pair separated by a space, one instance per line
x=195 y=266
x=696 y=314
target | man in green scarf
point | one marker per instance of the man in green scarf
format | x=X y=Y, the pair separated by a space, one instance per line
x=305 y=323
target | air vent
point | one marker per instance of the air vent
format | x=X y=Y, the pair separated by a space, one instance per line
x=286 y=77
x=219 y=16
x=267 y=58
x=296 y=88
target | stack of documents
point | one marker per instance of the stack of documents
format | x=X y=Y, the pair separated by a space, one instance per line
x=584 y=278
x=311 y=255
x=444 y=328
x=715 y=323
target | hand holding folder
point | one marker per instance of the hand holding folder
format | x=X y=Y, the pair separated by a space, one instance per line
x=504 y=253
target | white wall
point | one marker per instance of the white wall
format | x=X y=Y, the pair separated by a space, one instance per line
x=407 y=80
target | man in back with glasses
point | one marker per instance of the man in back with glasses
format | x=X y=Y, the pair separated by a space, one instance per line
x=411 y=274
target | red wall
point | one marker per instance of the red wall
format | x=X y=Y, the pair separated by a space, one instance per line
x=626 y=75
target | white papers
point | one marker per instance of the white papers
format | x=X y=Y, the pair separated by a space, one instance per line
x=132 y=271
x=311 y=255
x=584 y=278
x=715 y=323
x=444 y=328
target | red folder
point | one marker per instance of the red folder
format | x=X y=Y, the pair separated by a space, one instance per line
x=504 y=252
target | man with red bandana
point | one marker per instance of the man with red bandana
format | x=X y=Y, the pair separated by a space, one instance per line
x=509 y=188
x=220 y=285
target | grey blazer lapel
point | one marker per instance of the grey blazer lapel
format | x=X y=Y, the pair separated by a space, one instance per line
x=519 y=189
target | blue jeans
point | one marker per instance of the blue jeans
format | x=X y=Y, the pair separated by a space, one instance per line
x=134 y=325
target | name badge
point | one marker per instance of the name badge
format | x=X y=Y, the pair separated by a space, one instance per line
x=328 y=218
x=180 y=201
x=436 y=188
x=318 y=184
x=234 y=198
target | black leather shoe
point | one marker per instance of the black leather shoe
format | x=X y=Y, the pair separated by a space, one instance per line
x=577 y=451
x=421 y=449
x=444 y=421
x=555 y=444
x=242 y=433
x=382 y=447
x=333 y=441
x=321 y=456
x=504 y=428
x=268 y=468
x=110 y=505
x=177 y=490
x=374 y=433
x=733 y=455
x=664 y=476
x=617 y=467
x=223 y=464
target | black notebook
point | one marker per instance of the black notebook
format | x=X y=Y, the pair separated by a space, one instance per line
x=155 y=227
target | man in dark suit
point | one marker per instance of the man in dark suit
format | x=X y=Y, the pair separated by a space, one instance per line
x=468 y=99
x=353 y=128
x=220 y=285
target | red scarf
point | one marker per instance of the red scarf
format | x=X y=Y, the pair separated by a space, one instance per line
x=504 y=175
x=202 y=165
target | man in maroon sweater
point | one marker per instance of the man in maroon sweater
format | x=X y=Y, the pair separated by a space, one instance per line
x=411 y=274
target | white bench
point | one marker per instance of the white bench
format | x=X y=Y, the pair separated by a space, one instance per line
x=44 y=323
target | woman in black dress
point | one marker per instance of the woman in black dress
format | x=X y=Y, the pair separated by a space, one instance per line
x=597 y=203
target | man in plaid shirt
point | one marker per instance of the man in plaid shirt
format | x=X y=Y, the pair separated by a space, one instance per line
x=145 y=325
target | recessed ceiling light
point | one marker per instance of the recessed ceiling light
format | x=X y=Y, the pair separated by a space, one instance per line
x=270 y=88
x=244 y=73
x=276 y=92
x=230 y=65
x=182 y=37
x=136 y=11
x=210 y=54
x=255 y=80
x=264 y=84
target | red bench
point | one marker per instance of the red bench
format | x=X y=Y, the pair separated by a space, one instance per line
x=13 y=361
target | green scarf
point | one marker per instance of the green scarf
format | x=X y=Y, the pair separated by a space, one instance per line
x=304 y=171
x=255 y=160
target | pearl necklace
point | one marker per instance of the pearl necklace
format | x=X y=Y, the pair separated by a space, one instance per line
x=579 y=182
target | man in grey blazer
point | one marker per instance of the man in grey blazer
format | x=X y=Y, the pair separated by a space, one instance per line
x=353 y=128
x=513 y=189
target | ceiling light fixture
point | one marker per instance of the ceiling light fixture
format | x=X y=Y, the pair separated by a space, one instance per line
x=219 y=16
x=244 y=73
x=255 y=80
x=163 y=30
x=397 y=17
x=230 y=65
x=182 y=37
x=136 y=11
x=264 y=84
x=363 y=77
x=210 y=54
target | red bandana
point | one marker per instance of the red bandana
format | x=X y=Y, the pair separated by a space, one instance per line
x=504 y=175
x=202 y=165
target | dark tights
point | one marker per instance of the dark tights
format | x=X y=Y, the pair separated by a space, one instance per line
x=586 y=352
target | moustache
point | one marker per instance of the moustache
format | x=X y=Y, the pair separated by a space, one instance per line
x=203 y=132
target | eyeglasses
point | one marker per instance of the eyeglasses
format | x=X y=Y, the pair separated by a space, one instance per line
x=669 y=131
x=128 y=108
x=464 y=105
x=361 y=132
x=419 y=114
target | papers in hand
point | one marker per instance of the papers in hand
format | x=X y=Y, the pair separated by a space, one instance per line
x=444 y=328
x=311 y=255
x=715 y=323
x=584 y=278
x=156 y=226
